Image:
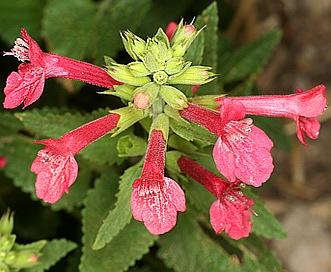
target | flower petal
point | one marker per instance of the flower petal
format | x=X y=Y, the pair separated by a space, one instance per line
x=25 y=86
x=231 y=216
x=55 y=174
x=157 y=203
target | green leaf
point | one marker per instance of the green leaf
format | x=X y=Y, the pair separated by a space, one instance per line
x=265 y=223
x=209 y=18
x=131 y=146
x=9 y=124
x=256 y=256
x=17 y=14
x=50 y=123
x=191 y=131
x=250 y=58
x=188 y=248
x=130 y=244
x=119 y=216
x=20 y=153
x=52 y=252
x=275 y=130
x=91 y=28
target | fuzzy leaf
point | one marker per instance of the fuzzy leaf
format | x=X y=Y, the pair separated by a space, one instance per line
x=20 y=153
x=52 y=252
x=250 y=58
x=188 y=248
x=91 y=28
x=9 y=124
x=209 y=18
x=265 y=223
x=121 y=214
x=129 y=245
x=191 y=131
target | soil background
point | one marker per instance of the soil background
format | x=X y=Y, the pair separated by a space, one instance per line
x=299 y=192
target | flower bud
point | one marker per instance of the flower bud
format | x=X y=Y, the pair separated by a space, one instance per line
x=138 y=69
x=7 y=242
x=146 y=95
x=22 y=259
x=129 y=116
x=183 y=38
x=173 y=97
x=152 y=63
x=193 y=75
x=123 y=91
x=134 y=45
x=122 y=73
x=174 y=65
x=6 y=224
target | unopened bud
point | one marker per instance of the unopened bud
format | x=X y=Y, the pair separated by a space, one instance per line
x=138 y=69
x=123 y=74
x=6 y=224
x=7 y=242
x=173 y=97
x=141 y=100
x=193 y=75
x=22 y=259
x=134 y=45
x=146 y=95
x=183 y=38
x=129 y=116
x=174 y=65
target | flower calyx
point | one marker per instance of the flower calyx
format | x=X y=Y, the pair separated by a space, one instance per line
x=158 y=63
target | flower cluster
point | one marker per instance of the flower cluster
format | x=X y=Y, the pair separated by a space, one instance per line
x=150 y=86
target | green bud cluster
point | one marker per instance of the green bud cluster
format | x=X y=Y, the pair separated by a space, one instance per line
x=158 y=64
x=14 y=257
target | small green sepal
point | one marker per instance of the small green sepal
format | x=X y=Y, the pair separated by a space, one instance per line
x=193 y=75
x=173 y=97
x=161 y=122
x=129 y=116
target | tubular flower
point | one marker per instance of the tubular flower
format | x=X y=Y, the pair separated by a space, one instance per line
x=231 y=211
x=242 y=150
x=26 y=85
x=303 y=107
x=55 y=165
x=156 y=199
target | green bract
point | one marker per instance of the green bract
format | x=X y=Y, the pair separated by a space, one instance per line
x=158 y=64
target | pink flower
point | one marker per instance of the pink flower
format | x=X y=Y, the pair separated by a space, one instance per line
x=26 y=85
x=303 y=107
x=170 y=30
x=242 y=150
x=156 y=199
x=55 y=165
x=3 y=161
x=231 y=211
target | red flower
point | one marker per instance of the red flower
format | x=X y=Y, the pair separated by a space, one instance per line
x=231 y=211
x=303 y=108
x=55 y=165
x=170 y=30
x=242 y=150
x=26 y=85
x=156 y=199
x=3 y=161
